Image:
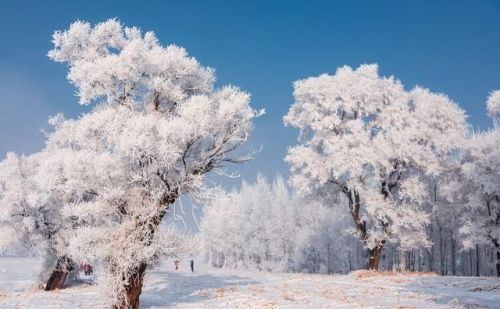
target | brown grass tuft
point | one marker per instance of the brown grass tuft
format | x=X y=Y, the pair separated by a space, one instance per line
x=361 y=274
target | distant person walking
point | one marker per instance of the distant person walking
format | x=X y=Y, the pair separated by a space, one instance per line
x=86 y=268
x=192 y=265
x=176 y=263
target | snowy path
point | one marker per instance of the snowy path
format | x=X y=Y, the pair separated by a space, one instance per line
x=209 y=288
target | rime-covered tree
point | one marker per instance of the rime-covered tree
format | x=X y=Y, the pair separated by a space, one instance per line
x=478 y=186
x=34 y=192
x=370 y=142
x=29 y=221
x=163 y=126
x=265 y=226
x=30 y=215
x=493 y=106
x=251 y=227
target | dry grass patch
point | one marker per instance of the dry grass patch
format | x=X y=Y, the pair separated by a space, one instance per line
x=362 y=274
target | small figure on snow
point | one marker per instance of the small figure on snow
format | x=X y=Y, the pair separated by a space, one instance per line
x=176 y=263
x=86 y=268
x=192 y=265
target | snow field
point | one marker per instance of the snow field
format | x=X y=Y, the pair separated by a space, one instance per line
x=214 y=288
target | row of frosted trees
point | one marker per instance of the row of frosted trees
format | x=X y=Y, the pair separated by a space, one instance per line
x=415 y=189
x=265 y=226
x=104 y=183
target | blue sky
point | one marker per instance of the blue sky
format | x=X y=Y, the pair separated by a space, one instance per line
x=261 y=46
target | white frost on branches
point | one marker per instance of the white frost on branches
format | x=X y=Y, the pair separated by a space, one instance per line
x=158 y=127
x=480 y=188
x=493 y=104
x=266 y=227
x=369 y=140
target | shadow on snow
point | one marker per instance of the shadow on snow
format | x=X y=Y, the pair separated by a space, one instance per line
x=458 y=291
x=185 y=288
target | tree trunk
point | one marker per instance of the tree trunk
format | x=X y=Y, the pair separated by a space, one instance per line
x=134 y=288
x=374 y=257
x=477 y=261
x=350 y=267
x=453 y=257
x=441 y=249
x=497 y=263
x=63 y=267
x=470 y=263
x=430 y=252
x=407 y=261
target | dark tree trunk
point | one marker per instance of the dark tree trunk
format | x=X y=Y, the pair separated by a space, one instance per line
x=134 y=288
x=496 y=245
x=349 y=255
x=354 y=206
x=471 y=273
x=498 y=262
x=441 y=249
x=477 y=261
x=497 y=249
x=63 y=267
x=453 y=258
x=374 y=257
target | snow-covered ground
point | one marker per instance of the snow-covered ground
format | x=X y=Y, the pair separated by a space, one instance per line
x=210 y=288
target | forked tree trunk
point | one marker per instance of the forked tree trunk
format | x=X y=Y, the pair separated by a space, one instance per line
x=355 y=205
x=374 y=257
x=58 y=276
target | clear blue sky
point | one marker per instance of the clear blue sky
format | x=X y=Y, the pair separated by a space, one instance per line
x=261 y=46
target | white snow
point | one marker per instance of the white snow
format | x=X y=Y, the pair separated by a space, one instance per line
x=214 y=288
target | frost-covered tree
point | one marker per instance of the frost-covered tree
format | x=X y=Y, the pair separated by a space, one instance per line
x=264 y=226
x=473 y=192
x=34 y=191
x=28 y=221
x=478 y=186
x=493 y=106
x=321 y=242
x=251 y=228
x=160 y=124
x=30 y=215
x=71 y=177
x=367 y=140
